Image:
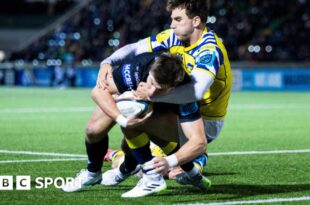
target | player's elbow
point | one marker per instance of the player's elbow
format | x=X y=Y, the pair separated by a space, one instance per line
x=199 y=95
x=94 y=93
x=200 y=88
x=201 y=147
x=202 y=83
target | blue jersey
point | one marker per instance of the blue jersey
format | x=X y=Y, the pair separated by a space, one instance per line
x=128 y=76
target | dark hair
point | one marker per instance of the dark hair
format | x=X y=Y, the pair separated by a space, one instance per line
x=168 y=70
x=193 y=8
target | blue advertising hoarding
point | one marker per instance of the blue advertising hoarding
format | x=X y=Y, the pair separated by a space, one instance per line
x=272 y=79
x=260 y=79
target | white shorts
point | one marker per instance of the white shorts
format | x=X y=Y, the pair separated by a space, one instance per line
x=212 y=130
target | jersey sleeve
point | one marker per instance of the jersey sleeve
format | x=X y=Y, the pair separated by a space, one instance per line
x=210 y=58
x=163 y=41
x=122 y=76
x=189 y=112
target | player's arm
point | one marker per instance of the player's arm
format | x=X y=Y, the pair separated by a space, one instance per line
x=196 y=144
x=202 y=77
x=156 y=43
x=103 y=97
x=200 y=82
x=119 y=56
x=127 y=52
x=194 y=147
x=193 y=129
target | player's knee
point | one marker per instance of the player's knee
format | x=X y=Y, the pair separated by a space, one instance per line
x=93 y=132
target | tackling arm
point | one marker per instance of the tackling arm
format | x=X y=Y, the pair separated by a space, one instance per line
x=127 y=52
x=117 y=57
x=196 y=144
x=189 y=92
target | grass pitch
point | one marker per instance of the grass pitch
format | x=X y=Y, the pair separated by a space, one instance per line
x=269 y=130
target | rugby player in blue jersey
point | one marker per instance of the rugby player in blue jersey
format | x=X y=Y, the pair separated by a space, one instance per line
x=162 y=73
x=205 y=59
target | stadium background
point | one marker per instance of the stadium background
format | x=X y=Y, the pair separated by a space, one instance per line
x=50 y=44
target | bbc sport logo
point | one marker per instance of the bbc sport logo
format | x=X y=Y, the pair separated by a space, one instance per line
x=24 y=182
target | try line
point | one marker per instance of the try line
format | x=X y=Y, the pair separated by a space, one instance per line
x=90 y=109
x=83 y=157
x=41 y=160
x=261 y=201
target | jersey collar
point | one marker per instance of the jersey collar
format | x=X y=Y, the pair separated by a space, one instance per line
x=197 y=42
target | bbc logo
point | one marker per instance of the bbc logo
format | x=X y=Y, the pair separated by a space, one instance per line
x=22 y=183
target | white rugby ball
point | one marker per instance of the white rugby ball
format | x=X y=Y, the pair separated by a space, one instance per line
x=129 y=107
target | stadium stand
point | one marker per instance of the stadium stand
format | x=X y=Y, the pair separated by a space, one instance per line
x=265 y=30
x=267 y=40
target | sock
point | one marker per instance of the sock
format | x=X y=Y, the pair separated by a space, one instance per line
x=140 y=148
x=201 y=161
x=129 y=164
x=190 y=169
x=95 y=153
x=194 y=172
x=92 y=174
x=187 y=166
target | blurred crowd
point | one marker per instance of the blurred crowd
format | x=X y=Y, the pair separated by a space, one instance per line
x=252 y=30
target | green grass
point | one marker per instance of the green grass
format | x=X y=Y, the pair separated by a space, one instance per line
x=256 y=121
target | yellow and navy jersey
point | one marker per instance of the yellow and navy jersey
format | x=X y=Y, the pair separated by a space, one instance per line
x=207 y=54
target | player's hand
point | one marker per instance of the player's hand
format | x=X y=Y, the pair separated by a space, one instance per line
x=135 y=121
x=157 y=165
x=174 y=172
x=104 y=74
x=143 y=92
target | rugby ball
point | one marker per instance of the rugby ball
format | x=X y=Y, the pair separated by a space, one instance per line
x=129 y=107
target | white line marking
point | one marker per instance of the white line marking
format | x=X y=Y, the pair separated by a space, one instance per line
x=259 y=152
x=262 y=201
x=89 y=109
x=41 y=153
x=267 y=106
x=41 y=160
x=47 y=110
x=211 y=154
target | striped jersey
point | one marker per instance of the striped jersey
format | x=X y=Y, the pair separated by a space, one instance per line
x=207 y=54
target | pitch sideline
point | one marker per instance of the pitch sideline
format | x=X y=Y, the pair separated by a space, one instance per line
x=41 y=160
x=73 y=157
x=90 y=109
x=260 y=201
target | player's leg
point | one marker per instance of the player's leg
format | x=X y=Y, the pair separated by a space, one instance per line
x=127 y=167
x=96 y=140
x=162 y=148
x=124 y=163
x=96 y=147
x=161 y=124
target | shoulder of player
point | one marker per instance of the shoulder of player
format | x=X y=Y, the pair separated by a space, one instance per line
x=208 y=55
x=208 y=49
x=145 y=58
x=163 y=36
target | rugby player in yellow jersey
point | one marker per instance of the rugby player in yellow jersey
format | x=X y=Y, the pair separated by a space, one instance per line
x=205 y=59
